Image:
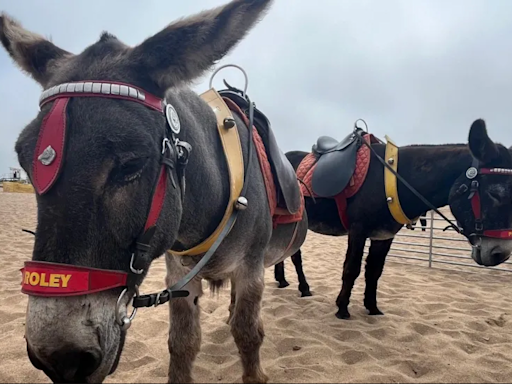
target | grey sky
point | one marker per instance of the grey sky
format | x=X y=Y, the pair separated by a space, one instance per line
x=419 y=71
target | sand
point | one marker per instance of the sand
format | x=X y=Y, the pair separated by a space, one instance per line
x=439 y=325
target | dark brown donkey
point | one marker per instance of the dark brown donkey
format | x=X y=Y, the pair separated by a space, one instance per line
x=443 y=174
x=127 y=163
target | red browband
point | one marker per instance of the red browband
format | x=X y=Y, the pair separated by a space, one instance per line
x=40 y=278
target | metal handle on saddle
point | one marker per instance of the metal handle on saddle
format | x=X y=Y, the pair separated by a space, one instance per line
x=230 y=65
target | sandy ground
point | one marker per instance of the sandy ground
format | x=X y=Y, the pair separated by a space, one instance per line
x=439 y=325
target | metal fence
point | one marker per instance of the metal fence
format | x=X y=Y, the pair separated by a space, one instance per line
x=435 y=247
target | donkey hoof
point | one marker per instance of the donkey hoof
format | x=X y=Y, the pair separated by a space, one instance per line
x=306 y=294
x=283 y=284
x=261 y=378
x=343 y=314
x=375 y=312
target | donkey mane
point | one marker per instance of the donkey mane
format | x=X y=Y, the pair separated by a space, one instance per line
x=105 y=36
x=455 y=146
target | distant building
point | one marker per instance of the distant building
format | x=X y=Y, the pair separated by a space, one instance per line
x=14 y=174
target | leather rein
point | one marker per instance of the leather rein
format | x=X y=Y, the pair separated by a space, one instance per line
x=57 y=279
x=472 y=174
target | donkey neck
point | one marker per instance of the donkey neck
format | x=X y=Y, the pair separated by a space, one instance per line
x=431 y=170
x=207 y=175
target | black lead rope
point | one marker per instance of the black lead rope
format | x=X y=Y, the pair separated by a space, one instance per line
x=411 y=188
x=155 y=299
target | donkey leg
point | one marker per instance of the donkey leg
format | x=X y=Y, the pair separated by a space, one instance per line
x=303 y=284
x=423 y=224
x=232 y=302
x=351 y=270
x=246 y=324
x=184 y=328
x=374 y=266
x=279 y=275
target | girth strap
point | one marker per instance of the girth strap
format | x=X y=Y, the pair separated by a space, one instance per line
x=391 y=186
x=233 y=151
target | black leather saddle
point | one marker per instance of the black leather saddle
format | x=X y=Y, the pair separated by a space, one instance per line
x=285 y=179
x=336 y=163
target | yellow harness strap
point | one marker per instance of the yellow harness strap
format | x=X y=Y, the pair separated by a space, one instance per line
x=234 y=157
x=390 y=184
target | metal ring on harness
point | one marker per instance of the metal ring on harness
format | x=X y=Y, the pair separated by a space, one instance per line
x=125 y=321
x=230 y=65
x=132 y=268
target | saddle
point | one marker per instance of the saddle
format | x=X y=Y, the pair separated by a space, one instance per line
x=336 y=163
x=289 y=195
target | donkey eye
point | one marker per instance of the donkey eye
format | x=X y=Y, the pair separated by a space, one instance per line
x=130 y=170
x=496 y=197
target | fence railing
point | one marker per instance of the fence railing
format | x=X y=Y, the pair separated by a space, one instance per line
x=435 y=246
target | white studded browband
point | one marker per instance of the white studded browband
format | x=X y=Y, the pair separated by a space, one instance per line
x=503 y=171
x=92 y=87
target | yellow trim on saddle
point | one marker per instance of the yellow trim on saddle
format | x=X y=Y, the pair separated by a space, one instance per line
x=234 y=157
x=390 y=184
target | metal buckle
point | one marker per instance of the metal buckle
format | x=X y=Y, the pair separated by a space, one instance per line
x=477 y=243
x=132 y=268
x=157 y=299
x=166 y=143
x=125 y=321
x=184 y=150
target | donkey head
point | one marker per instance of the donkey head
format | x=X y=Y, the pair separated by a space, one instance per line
x=481 y=199
x=100 y=201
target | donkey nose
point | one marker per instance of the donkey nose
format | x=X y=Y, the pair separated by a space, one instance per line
x=70 y=364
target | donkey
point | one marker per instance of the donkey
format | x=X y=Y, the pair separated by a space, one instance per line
x=443 y=174
x=304 y=289
x=93 y=198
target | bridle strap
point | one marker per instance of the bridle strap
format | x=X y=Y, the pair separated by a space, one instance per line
x=175 y=291
x=49 y=152
x=476 y=205
x=158 y=199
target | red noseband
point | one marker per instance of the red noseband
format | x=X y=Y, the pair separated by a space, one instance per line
x=41 y=278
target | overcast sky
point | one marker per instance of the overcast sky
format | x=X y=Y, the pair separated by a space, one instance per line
x=419 y=71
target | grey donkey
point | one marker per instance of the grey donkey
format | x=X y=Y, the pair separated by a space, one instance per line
x=100 y=201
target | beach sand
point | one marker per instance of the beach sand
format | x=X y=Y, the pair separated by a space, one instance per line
x=439 y=325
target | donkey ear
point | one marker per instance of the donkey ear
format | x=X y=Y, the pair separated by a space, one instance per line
x=32 y=52
x=481 y=146
x=188 y=47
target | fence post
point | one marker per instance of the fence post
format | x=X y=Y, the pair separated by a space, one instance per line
x=431 y=239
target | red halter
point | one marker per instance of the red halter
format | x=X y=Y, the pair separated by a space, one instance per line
x=476 y=206
x=53 y=279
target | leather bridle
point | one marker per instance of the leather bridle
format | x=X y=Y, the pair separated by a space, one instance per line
x=475 y=237
x=47 y=165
